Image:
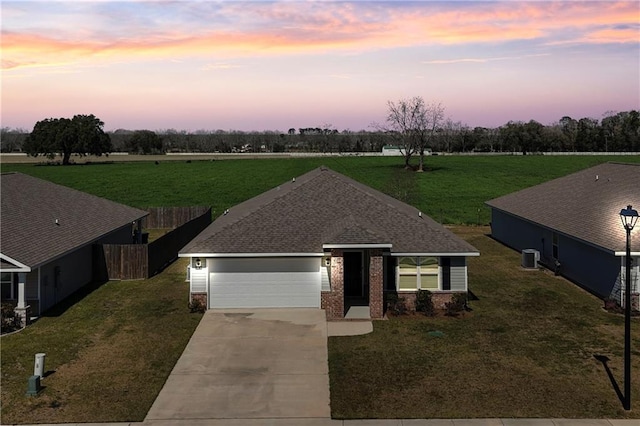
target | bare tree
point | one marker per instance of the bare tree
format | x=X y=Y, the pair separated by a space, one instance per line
x=414 y=125
x=429 y=121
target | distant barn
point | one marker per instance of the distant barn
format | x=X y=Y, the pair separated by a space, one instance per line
x=391 y=150
x=394 y=150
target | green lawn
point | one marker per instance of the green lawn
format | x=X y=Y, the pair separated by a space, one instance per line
x=108 y=354
x=526 y=350
x=453 y=190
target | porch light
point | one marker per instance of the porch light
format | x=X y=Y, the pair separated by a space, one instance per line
x=198 y=263
x=629 y=218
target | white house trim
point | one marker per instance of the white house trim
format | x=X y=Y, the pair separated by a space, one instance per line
x=624 y=253
x=251 y=255
x=355 y=246
x=19 y=266
x=435 y=254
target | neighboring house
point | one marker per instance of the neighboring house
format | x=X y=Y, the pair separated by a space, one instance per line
x=326 y=241
x=50 y=237
x=574 y=223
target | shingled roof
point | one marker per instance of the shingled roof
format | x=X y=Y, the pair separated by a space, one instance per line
x=30 y=208
x=585 y=205
x=322 y=208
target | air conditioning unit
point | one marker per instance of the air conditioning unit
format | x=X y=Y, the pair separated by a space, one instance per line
x=530 y=258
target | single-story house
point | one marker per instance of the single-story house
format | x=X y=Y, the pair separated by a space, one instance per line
x=50 y=240
x=573 y=225
x=324 y=240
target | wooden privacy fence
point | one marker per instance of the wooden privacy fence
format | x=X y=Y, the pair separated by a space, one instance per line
x=140 y=261
x=126 y=261
x=172 y=217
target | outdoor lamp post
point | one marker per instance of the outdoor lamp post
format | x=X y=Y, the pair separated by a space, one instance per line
x=629 y=218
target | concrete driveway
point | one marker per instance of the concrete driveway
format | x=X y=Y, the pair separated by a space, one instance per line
x=250 y=364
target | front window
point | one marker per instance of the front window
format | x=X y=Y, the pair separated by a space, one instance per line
x=6 y=281
x=418 y=273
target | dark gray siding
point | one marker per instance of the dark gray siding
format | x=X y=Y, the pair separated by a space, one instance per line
x=64 y=276
x=67 y=274
x=119 y=236
x=593 y=269
x=517 y=233
x=458 y=274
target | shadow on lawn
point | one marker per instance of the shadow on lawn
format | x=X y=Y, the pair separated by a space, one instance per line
x=604 y=360
x=62 y=306
x=427 y=167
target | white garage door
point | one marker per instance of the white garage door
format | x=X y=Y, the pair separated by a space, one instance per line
x=264 y=283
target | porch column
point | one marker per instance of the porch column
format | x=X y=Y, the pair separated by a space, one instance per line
x=336 y=303
x=376 y=284
x=22 y=309
x=22 y=278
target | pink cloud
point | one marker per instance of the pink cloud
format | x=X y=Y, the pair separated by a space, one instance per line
x=334 y=27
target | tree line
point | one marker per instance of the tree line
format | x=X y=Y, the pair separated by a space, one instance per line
x=413 y=125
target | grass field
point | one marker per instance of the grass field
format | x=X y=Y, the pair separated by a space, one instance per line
x=527 y=349
x=453 y=190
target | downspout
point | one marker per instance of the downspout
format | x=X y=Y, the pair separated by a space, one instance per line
x=39 y=293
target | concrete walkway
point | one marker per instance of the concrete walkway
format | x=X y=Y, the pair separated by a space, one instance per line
x=349 y=328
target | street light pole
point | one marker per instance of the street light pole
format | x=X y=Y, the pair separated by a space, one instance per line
x=627 y=326
x=629 y=218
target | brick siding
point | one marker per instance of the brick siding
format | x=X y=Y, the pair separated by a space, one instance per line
x=333 y=301
x=439 y=299
x=376 y=283
x=202 y=297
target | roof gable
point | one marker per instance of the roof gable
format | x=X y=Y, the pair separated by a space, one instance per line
x=323 y=207
x=42 y=220
x=585 y=205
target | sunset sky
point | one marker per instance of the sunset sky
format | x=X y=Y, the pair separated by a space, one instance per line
x=236 y=65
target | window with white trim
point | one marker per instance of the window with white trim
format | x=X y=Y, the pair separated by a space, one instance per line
x=418 y=273
x=6 y=283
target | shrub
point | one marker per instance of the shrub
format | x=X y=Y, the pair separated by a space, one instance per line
x=424 y=303
x=9 y=318
x=196 y=305
x=611 y=304
x=400 y=307
x=395 y=304
x=456 y=305
x=390 y=300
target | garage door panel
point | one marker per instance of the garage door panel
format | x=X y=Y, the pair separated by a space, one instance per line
x=265 y=289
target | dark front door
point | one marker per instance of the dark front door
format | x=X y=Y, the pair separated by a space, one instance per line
x=353 y=283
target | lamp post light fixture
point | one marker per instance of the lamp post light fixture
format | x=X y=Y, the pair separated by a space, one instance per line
x=629 y=218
